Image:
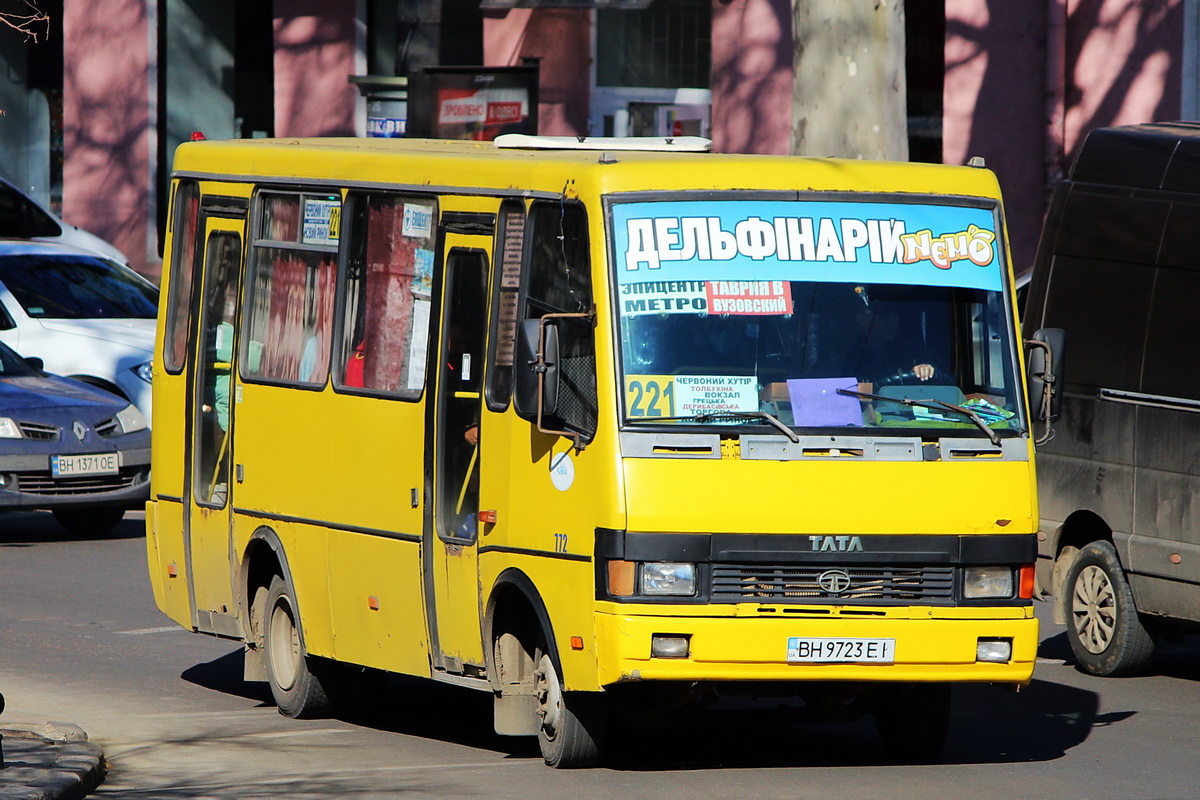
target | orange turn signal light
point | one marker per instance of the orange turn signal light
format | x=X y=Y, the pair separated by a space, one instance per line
x=1027 y=574
x=621 y=577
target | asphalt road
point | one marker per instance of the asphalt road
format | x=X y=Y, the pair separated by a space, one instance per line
x=81 y=641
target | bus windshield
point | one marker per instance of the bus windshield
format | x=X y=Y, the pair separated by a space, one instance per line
x=814 y=314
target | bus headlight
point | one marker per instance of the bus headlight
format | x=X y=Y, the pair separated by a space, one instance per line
x=981 y=582
x=668 y=578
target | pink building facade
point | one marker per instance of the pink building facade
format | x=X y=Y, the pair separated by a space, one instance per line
x=1023 y=83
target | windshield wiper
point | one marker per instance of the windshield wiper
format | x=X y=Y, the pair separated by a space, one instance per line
x=931 y=403
x=712 y=416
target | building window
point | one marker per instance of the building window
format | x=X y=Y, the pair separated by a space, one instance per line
x=667 y=45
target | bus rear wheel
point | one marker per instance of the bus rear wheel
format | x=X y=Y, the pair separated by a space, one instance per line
x=298 y=683
x=571 y=724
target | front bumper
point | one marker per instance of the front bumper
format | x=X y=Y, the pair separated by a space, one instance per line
x=29 y=484
x=750 y=644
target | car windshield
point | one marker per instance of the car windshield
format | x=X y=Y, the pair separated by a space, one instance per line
x=61 y=286
x=816 y=315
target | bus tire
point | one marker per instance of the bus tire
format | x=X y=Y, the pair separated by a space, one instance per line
x=1106 y=635
x=296 y=679
x=571 y=725
x=912 y=721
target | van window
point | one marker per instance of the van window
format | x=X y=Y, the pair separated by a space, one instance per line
x=1170 y=366
x=1181 y=237
x=1107 y=327
x=1109 y=224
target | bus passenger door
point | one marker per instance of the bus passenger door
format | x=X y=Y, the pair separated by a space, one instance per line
x=453 y=561
x=213 y=397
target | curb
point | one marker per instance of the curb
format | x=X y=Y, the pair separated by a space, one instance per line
x=49 y=761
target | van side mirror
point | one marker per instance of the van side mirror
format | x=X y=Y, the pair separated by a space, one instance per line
x=536 y=368
x=1045 y=371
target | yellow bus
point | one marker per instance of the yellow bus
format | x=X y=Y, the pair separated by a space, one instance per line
x=599 y=427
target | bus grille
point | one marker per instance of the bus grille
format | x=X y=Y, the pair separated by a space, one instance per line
x=44 y=483
x=741 y=583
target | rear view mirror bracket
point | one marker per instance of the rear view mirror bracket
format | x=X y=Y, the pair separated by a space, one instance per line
x=1044 y=368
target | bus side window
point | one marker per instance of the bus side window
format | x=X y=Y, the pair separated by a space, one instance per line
x=387 y=295
x=182 y=275
x=506 y=283
x=290 y=322
x=559 y=280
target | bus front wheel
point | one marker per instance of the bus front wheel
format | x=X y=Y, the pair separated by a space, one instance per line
x=571 y=724
x=298 y=689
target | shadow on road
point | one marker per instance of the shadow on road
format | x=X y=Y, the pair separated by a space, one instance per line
x=1176 y=658
x=29 y=528
x=988 y=726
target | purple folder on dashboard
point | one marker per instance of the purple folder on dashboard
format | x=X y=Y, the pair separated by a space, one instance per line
x=816 y=403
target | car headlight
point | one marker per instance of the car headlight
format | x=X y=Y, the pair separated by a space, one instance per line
x=131 y=420
x=143 y=370
x=9 y=429
x=980 y=582
x=668 y=578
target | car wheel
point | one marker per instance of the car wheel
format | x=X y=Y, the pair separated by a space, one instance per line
x=89 y=520
x=1103 y=627
x=299 y=683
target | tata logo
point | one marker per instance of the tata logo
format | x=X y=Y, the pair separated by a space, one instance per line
x=833 y=581
x=836 y=544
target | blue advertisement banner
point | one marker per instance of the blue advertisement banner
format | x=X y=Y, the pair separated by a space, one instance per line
x=754 y=240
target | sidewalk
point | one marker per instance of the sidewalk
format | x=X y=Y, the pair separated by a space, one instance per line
x=48 y=761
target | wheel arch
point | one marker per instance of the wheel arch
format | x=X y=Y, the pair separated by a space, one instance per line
x=515 y=606
x=263 y=557
x=1079 y=530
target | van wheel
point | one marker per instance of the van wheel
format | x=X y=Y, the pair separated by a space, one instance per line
x=571 y=724
x=1103 y=627
x=912 y=721
x=89 y=520
x=298 y=681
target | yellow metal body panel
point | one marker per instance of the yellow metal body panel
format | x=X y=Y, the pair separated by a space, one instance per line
x=931 y=645
x=826 y=497
x=167 y=560
x=376 y=608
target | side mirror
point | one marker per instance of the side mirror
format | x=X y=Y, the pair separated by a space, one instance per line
x=536 y=369
x=36 y=362
x=1045 y=368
